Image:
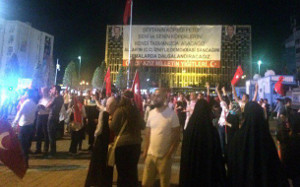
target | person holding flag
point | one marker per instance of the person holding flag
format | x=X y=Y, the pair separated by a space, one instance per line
x=245 y=99
x=127 y=124
x=25 y=119
x=77 y=119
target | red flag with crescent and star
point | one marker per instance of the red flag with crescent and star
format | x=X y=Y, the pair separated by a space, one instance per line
x=127 y=11
x=136 y=89
x=10 y=150
x=237 y=76
x=107 y=83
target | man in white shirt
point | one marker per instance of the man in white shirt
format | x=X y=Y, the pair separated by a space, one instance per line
x=222 y=119
x=25 y=118
x=161 y=141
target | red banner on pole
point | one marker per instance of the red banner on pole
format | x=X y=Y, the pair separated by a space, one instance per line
x=127 y=11
x=136 y=89
x=237 y=76
x=107 y=83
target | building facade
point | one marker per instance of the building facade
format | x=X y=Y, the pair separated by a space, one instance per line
x=292 y=50
x=23 y=49
x=233 y=50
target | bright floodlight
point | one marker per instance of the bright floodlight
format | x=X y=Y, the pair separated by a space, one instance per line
x=259 y=62
x=79 y=57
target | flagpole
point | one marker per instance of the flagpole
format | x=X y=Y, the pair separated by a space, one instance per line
x=129 y=51
x=133 y=80
x=56 y=71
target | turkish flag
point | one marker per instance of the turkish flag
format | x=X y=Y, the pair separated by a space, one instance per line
x=77 y=111
x=10 y=150
x=279 y=87
x=237 y=76
x=136 y=89
x=107 y=83
x=127 y=11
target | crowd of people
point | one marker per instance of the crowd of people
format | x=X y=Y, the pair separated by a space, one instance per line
x=225 y=140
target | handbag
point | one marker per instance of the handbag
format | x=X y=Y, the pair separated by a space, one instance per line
x=76 y=126
x=112 y=148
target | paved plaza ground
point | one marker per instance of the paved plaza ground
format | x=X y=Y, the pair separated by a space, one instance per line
x=67 y=170
x=64 y=169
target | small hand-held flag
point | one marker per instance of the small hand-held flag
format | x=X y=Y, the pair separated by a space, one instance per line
x=136 y=89
x=279 y=87
x=77 y=111
x=237 y=76
x=107 y=83
x=10 y=150
x=127 y=12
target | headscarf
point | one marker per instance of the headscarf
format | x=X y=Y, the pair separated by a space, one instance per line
x=235 y=107
x=201 y=158
x=252 y=156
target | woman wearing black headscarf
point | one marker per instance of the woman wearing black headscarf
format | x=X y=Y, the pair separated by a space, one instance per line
x=291 y=158
x=252 y=156
x=99 y=173
x=201 y=157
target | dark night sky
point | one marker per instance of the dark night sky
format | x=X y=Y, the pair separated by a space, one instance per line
x=79 y=26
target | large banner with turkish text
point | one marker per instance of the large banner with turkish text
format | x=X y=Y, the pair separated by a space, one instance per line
x=173 y=46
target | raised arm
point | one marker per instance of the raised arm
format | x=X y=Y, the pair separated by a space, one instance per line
x=255 y=93
x=218 y=93
x=207 y=90
x=224 y=91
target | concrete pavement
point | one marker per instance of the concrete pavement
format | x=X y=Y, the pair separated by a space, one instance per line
x=67 y=170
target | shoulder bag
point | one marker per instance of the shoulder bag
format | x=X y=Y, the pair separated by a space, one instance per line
x=112 y=147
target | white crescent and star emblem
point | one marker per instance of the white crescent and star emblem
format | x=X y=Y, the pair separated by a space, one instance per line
x=2 y=136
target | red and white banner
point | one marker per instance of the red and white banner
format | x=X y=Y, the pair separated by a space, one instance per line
x=175 y=63
x=173 y=46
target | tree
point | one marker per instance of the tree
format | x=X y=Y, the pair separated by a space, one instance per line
x=71 y=77
x=121 y=79
x=98 y=77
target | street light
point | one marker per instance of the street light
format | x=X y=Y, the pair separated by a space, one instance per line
x=259 y=63
x=57 y=69
x=79 y=58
